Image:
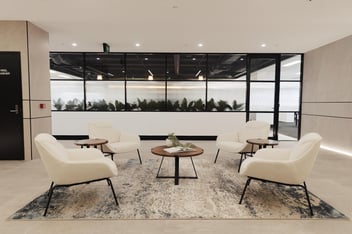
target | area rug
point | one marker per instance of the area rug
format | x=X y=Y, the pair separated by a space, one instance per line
x=214 y=195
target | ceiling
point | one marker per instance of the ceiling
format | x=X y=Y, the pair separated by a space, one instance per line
x=239 y=26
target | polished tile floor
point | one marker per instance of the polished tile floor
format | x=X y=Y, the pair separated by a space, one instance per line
x=21 y=181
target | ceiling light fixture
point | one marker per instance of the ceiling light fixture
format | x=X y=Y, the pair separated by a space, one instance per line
x=99 y=77
x=200 y=44
x=201 y=77
x=291 y=63
x=198 y=73
x=150 y=77
x=98 y=58
x=74 y=44
x=138 y=44
x=263 y=45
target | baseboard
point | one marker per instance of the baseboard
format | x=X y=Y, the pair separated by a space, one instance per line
x=143 y=137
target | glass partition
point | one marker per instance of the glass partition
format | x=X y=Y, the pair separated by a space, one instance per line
x=105 y=95
x=216 y=82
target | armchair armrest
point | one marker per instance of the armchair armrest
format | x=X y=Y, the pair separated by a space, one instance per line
x=274 y=154
x=227 y=137
x=130 y=137
x=84 y=154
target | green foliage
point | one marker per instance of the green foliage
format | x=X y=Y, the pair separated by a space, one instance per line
x=97 y=106
x=176 y=142
x=74 y=105
x=149 y=105
x=58 y=104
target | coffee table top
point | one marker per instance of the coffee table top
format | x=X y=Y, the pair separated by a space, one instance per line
x=159 y=150
x=265 y=142
x=91 y=142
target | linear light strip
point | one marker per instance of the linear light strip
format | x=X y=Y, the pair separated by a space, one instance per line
x=344 y=152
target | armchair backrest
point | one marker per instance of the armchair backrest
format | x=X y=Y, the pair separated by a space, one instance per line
x=304 y=154
x=254 y=129
x=103 y=130
x=53 y=154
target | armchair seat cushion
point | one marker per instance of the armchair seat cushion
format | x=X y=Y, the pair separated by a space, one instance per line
x=123 y=147
x=231 y=146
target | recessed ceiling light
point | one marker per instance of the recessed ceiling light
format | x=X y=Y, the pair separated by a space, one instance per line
x=193 y=59
x=98 y=58
x=138 y=44
x=146 y=58
x=263 y=45
x=200 y=44
x=74 y=44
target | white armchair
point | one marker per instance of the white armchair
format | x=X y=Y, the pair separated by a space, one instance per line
x=118 y=142
x=284 y=166
x=68 y=167
x=236 y=142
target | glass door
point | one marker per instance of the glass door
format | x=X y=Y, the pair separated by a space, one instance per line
x=262 y=90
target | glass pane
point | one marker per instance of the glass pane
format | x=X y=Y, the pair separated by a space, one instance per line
x=226 y=67
x=66 y=65
x=185 y=96
x=266 y=117
x=262 y=69
x=103 y=66
x=105 y=96
x=288 y=126
x=186 y=66
x=145 y=66
x=289 y=96
x=146 y=95
x=262 y=96
x=290 y=67
x=226 y=96
x=67 y=95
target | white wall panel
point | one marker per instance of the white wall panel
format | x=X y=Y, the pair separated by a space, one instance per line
x=150 y=123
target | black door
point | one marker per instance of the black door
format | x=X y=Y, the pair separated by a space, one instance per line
x=11 y=116
x=263 y=90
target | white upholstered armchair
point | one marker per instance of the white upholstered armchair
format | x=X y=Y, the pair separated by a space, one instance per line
x=284 y=166
x=236 y=142
x=119 y=142
x=68 y=167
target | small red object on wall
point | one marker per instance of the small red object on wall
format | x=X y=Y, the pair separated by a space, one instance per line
x=42 y=106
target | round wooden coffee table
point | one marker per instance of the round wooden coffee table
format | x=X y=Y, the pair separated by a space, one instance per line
x=160 y=151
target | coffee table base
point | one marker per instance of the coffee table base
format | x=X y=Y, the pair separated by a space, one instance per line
x=177 y=173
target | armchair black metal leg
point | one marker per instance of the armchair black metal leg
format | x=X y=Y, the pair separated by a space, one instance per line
x=140 y=159
x=113 y=191
x=244 y=190
x=241 y=159
x=310 y=206
x=216 y=157
x=51 y=186
x=51 y=190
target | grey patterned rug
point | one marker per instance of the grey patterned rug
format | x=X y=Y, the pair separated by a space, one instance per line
x=214 y=195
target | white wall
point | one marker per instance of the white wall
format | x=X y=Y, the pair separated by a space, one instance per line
x=33 y=44
x=150 y=123
x=327 y=94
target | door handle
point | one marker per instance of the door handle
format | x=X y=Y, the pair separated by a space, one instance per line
x=16 y=110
